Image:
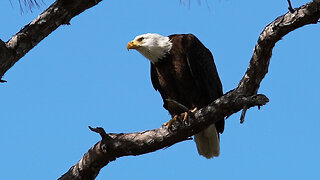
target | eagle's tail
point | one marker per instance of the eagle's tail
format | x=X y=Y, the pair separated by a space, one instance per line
x=208 y=142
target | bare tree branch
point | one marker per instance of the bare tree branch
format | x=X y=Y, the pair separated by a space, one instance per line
x=272 y=33
x=113 y=146
x=59 y=13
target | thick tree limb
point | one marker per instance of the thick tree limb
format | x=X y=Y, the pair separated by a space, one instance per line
x=59 y=13
x=272 y=33
x=113 y=146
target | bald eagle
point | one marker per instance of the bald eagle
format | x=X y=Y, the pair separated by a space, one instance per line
x=183 y=69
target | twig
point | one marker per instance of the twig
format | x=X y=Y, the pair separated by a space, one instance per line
x=243 y=114
x=290 y=7
x=100 y=131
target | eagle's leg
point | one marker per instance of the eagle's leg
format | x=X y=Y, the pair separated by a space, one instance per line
x=169 y=123
x=181 y=117
x=185 y=114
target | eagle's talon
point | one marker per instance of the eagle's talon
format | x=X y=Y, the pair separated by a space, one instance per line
x=169 y=123
x=194 y=110
x=185 y=116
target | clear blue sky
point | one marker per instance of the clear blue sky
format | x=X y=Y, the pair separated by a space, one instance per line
x=83 y=75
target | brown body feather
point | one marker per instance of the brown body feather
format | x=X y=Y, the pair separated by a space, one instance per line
x=188 y=75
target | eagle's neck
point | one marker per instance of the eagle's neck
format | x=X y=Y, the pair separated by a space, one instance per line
x=157 y=49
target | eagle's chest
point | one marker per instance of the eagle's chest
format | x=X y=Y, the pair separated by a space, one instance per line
x=176 y=80
x=174 y=73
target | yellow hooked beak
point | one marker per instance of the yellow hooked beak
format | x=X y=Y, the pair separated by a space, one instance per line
x=133 y=45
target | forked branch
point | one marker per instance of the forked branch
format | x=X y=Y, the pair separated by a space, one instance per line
x=244 y=96
x=113 y=146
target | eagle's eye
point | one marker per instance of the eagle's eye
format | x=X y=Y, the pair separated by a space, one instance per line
x=140 y=39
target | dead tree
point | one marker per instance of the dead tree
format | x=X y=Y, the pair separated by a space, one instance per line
x=113 y=146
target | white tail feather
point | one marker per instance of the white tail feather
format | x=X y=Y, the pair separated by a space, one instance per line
x=208 y=143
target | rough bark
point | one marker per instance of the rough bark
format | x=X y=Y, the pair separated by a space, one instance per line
x=113 y=146
x=272 y=33
x=59 y=13
x=244 y=96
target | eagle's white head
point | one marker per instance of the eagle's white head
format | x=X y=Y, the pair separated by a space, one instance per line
x=152 y=46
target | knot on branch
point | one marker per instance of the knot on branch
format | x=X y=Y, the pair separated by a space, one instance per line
x=100 y=131
x=106 y=141
x=255 y=100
